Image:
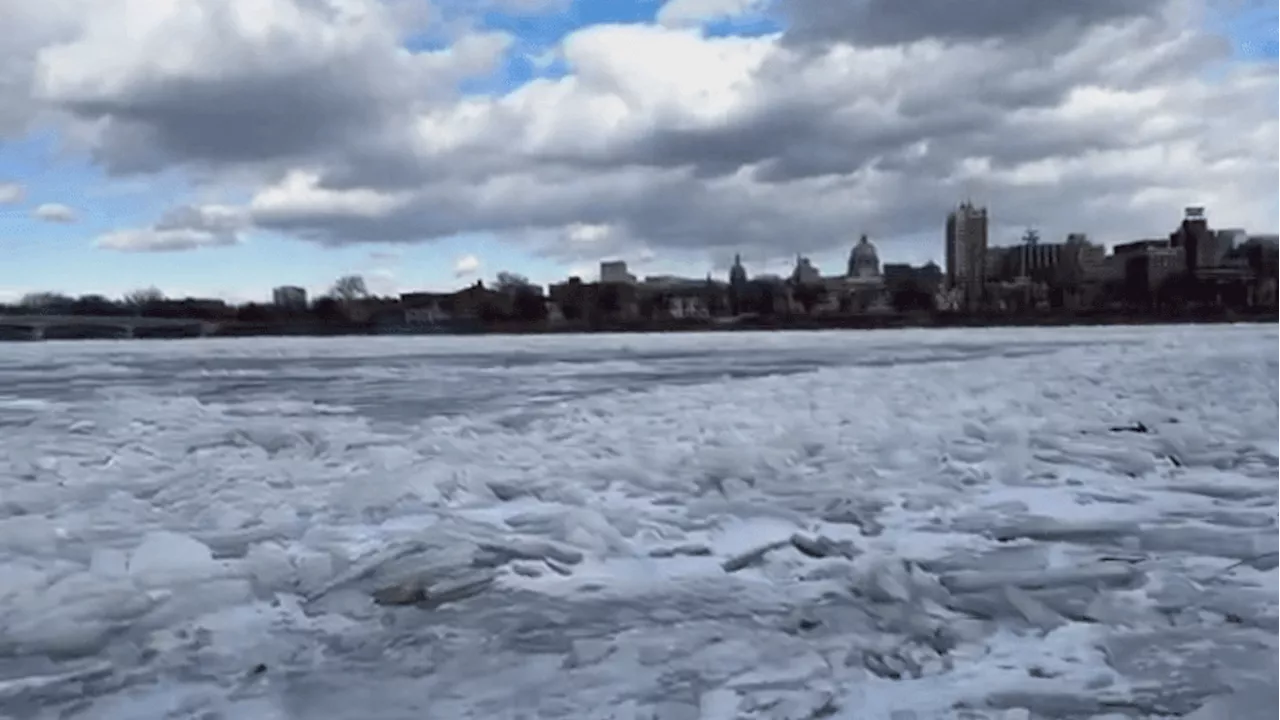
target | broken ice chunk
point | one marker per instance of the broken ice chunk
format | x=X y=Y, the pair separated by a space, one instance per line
x=1101 y=574
x=494 y=553
x=416 y=591
x=407 y=592
x=752 y=557
x=821 y=547
x=1049 y=529
x=1031 y=609
x=690 y=550
x=165 y=557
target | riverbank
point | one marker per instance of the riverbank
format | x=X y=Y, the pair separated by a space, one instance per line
x=748 y=323
x=770 y=323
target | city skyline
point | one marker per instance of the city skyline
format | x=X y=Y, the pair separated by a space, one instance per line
x=1197 y=268
x=555 y=135
x=773 y=267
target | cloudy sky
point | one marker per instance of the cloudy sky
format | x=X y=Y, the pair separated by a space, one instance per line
x=220 y=147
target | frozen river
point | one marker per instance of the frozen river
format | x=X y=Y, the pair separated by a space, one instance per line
x=980 y=524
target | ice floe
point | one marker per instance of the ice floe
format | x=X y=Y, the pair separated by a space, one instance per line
x=995 y=524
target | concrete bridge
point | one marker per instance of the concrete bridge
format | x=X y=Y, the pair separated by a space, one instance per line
x=84 y=327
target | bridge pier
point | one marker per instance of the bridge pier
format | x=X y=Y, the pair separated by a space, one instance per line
x=126 y=332
x=37 y=332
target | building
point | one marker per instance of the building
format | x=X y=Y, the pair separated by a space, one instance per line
x=685 y=306
x=928 y=276
x=805 y=273
x=1260 y=256
x=737 y=286
x=462 y=308
x=1035 y=260
x=765 y=294
x=913 y=288
x=966 y=250
x=595 y=301
x=864 y=261
x=1082 y=259
x=289 y=296
x=1199 y=244
x=994 y=263
x=737 y=273
x=1145 y=264
x=1228 y=240
x=862 y=288
x=1065 y=263
x=614 y=272
x=1080 y=279
x=681 y=297
x=674 y=282
x=425 y=309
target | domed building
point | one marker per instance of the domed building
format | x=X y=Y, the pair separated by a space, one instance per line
x=864 y=261
x=864 y=289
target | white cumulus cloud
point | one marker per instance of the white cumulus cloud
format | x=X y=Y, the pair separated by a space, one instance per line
x=54 y=213
x=12 y=193
x=1101 y=116
x=466 y=266
x=182 y=228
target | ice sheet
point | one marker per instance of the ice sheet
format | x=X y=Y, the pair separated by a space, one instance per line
x=918 y=524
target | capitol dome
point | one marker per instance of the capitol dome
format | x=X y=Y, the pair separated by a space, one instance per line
x=864 y=261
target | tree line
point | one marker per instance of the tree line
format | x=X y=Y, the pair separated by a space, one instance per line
x=348 y=301
x=152 y=302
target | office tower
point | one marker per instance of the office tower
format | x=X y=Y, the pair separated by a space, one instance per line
x=966 y=249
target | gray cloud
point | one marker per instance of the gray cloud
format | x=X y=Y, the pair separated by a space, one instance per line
x=29 y=28
x=843 y=140
x=181 y=228
x=322 y=81
x=867 y=116
x=890 y=22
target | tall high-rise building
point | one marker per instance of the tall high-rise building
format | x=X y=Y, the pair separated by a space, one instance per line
x=737 y=286
x=737 y=273
x=967 y=252
x=1201 y=247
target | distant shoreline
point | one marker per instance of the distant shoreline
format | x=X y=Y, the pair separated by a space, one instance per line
x=893 y=321
x=888 y=321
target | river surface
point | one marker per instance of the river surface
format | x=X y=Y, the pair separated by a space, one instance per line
x=1000 y=523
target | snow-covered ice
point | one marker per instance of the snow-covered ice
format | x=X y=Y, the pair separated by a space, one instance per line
x=1048 y=523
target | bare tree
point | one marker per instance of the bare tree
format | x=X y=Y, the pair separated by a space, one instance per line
x=349 y=288
x=143 y=296
x=94 y=305
x=45 y=301
x=509 y=281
